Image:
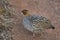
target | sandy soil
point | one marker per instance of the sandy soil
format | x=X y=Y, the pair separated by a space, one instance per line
x=47 y=8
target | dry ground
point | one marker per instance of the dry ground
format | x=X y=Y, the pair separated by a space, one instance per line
x=47 y=8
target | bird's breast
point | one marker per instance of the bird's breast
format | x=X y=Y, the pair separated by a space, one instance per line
x=27 y=24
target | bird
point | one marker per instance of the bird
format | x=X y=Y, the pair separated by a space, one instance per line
x=35 y=23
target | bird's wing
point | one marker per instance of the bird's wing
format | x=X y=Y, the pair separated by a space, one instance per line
x=41 y=22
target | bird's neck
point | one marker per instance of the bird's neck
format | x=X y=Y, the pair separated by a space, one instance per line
x=27 y=14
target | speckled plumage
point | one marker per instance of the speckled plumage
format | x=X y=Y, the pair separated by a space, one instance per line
x=35 y=23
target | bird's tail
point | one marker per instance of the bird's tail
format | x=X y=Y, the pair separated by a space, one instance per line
x=51 y=27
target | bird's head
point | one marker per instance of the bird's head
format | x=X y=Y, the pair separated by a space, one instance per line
x=25 y=12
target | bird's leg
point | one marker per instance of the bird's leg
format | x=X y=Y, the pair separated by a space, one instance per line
x=43 y=33
x=34 y=36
